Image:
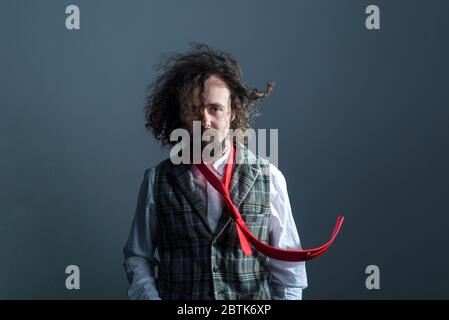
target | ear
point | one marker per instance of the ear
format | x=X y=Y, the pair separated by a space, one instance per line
x=232 y=115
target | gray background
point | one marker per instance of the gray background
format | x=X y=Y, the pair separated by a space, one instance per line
x=362 y=118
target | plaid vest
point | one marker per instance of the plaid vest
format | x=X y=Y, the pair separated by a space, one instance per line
x=196 y=263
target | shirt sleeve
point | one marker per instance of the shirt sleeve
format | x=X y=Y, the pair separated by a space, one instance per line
x=288 y=279
x=139 y=250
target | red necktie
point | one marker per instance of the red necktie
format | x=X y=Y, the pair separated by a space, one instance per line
x=245 y=235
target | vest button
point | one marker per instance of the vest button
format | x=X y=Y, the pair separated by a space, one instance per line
x=215 y=269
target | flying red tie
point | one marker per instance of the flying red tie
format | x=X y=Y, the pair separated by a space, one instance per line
x=245 y=235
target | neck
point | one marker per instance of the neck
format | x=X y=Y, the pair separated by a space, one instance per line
x=225 y=148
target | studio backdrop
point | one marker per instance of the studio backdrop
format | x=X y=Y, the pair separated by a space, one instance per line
x=361 y=105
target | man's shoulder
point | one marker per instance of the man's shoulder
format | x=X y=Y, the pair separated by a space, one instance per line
x=277 y=177
x=245 y=155
x=167 y=167
x=163 y=166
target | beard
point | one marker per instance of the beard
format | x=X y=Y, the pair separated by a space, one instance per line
x=212 y=148
x=215 y=151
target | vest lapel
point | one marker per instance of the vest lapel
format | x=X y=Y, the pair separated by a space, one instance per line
x=243 y=179
x=184 y=181
x=245 y=174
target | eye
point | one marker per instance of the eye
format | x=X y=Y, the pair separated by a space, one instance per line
x=215 y=108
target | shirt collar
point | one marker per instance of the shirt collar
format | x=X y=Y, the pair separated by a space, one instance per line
x=219 y=165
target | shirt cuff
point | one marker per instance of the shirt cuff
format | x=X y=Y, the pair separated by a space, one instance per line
x=141 y=279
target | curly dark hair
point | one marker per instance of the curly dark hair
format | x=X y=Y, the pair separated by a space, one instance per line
x=178 y=89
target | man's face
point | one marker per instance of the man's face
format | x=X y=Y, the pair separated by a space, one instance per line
x=216 y=112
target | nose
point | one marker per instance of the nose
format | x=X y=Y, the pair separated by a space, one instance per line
x=205 y=118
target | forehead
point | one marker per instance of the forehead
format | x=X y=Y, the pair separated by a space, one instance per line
x=216 y=91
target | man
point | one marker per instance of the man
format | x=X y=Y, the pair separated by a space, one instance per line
x=188 y=221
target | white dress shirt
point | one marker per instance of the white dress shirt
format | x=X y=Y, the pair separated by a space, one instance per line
x=288 y=279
